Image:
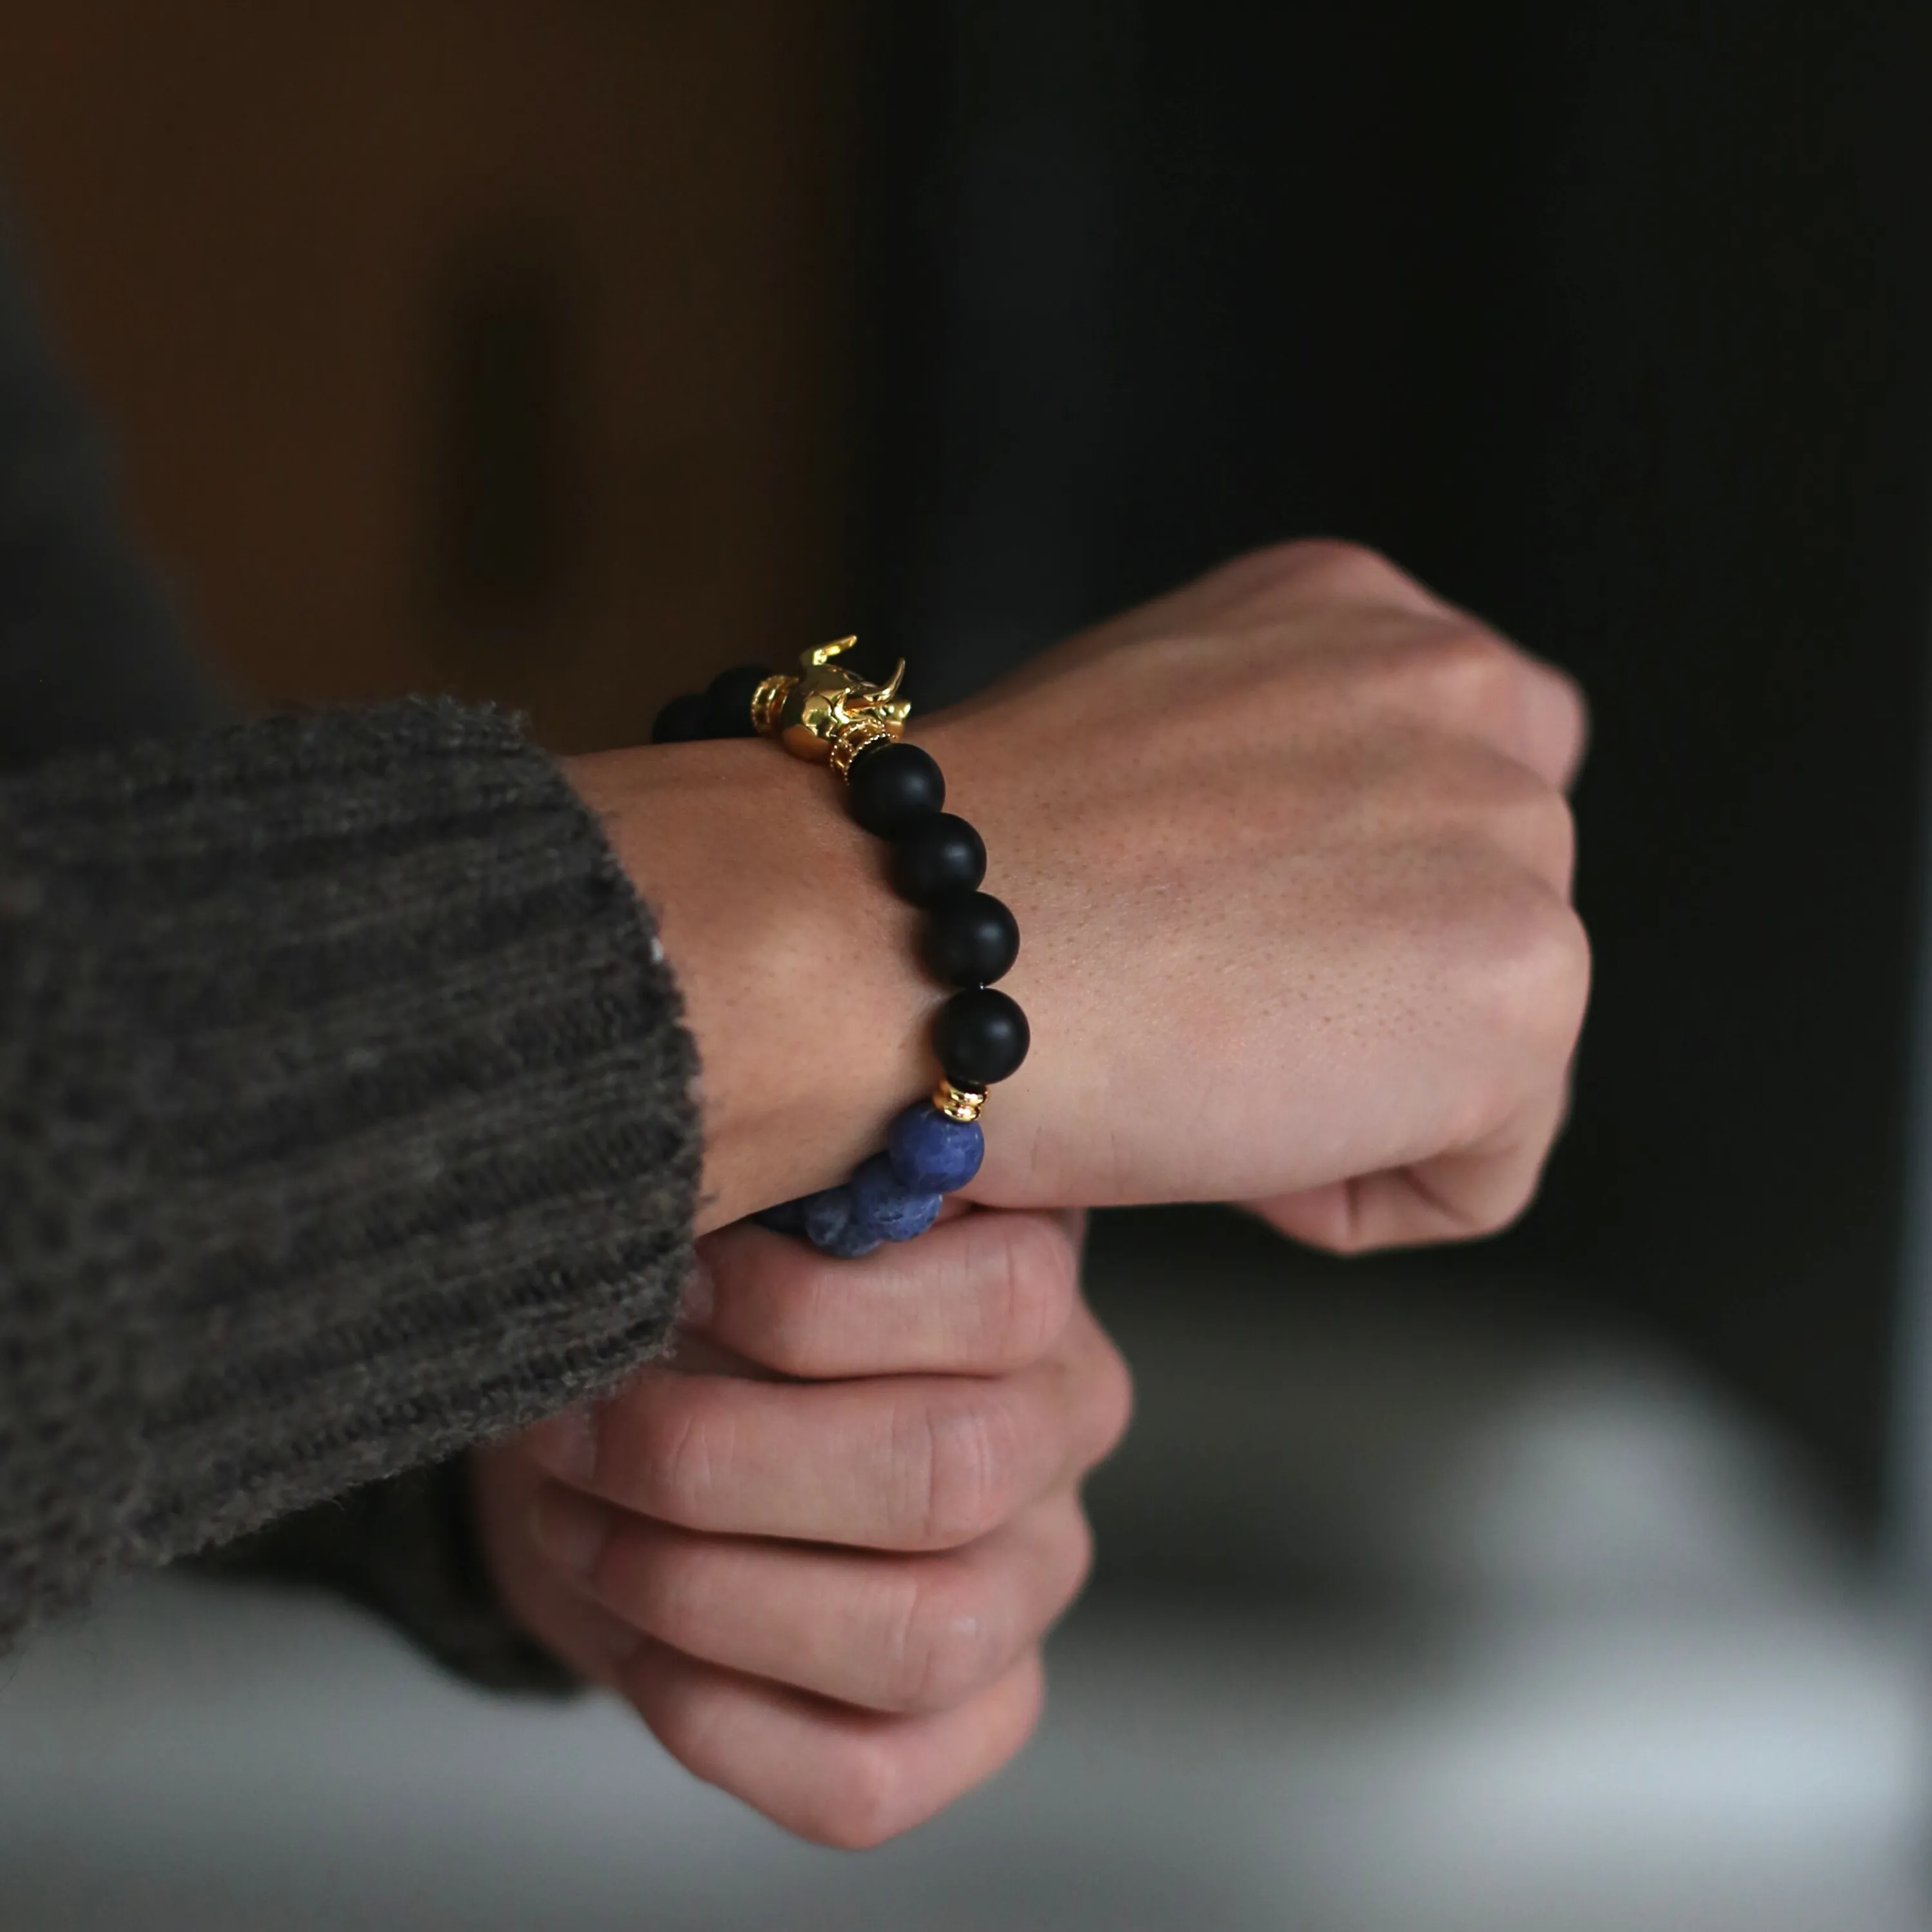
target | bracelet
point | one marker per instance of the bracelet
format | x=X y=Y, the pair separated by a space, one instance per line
x=937 y=862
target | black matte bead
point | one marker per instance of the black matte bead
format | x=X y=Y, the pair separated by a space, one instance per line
x=892 y=784
x=936 y=857
x=681 y=720
x=727 y=699
x=971 y=941
x=980 y=1037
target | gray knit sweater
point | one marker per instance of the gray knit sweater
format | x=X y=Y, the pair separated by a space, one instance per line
x=346 y=1114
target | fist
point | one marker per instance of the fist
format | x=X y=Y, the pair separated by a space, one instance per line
x=818 y=1549
x=1292 y=855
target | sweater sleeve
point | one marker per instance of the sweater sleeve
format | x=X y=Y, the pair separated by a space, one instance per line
x=346 y=1121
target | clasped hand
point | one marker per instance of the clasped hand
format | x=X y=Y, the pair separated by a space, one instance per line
x=818 y=1549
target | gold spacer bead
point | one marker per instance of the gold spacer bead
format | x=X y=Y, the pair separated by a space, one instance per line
x=767 y=701
x=856 y=737
x=959 y=1103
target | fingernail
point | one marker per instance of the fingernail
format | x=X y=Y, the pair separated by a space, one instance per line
x=700 y=1295
x=570 y=1529
x=565 y=1445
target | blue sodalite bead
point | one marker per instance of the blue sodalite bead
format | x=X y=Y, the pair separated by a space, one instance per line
x=931 y=1154
x=787 y=1218
x=832 y=1224
x=886 y=1205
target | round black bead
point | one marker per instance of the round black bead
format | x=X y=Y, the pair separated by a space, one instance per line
x=935 y=857
x=971 y=941
x=980 y=1037
x=892 y=784
x=681 y=720
x=728 y=700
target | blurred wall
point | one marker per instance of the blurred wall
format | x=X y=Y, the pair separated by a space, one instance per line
x=1614 y=324
x=486 y=345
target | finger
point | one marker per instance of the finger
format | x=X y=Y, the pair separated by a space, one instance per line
x=1556 y=723
x=582 y=1634
x=1497 y=799
x=1529 y=709
x=900 y=1462
x=850 y=1779
x=1451 y=671
x=589 y=1638
x=1454 y=1197
x=983 y=1294
x=883 y=1633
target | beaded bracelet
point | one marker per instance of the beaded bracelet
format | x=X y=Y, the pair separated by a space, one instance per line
x=937 y=862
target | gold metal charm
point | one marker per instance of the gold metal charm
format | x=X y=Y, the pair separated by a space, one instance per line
x=959 y=1103
x=855 y=738
x=767 y=701
x=826 y=711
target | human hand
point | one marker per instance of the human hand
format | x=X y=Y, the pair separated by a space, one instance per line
x=819 y=1549
x=1291 y=858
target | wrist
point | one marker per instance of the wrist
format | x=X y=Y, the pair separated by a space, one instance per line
x=797 y=965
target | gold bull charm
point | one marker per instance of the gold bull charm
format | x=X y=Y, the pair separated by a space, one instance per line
x=826 y=713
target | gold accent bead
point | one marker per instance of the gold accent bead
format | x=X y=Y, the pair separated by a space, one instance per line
x=857 y=736
x=768 y=701
x=959 y=1103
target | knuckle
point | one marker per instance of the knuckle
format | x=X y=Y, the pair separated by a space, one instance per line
x=649 y=1579
x=796 y=1324
x=1473 y=668
x=860 y=1802
x=944 y=1644
x=1343 y=1234
x=1566 y=709
x=689 y=1715
x=1544 y=969
x=1477 y=676
x=1550 y=831
x=1082 y=1550
x=1506 y=1208
x=681 y=1446
x=1512 y=960
x=959 y=1453
x=1525 y=986
x=1115 y=1403
x=1331 y=567
x=1517 y=810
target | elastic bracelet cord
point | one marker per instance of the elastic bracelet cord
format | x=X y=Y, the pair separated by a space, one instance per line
x=936 y=861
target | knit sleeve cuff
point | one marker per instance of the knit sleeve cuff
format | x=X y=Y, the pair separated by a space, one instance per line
x=400 y=1118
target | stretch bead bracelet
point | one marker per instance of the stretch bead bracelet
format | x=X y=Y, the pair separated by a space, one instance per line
x=936 y=861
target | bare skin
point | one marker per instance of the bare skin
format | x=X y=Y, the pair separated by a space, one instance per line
x=819 y=1551
x=1291 y=859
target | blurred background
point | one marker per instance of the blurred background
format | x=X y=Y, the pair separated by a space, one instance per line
x=562 y=353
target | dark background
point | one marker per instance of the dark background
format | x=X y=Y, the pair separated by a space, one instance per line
x=1613 y=324
x=560 y=353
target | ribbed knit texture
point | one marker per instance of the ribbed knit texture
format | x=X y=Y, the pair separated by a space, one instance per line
x=346 y=1119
